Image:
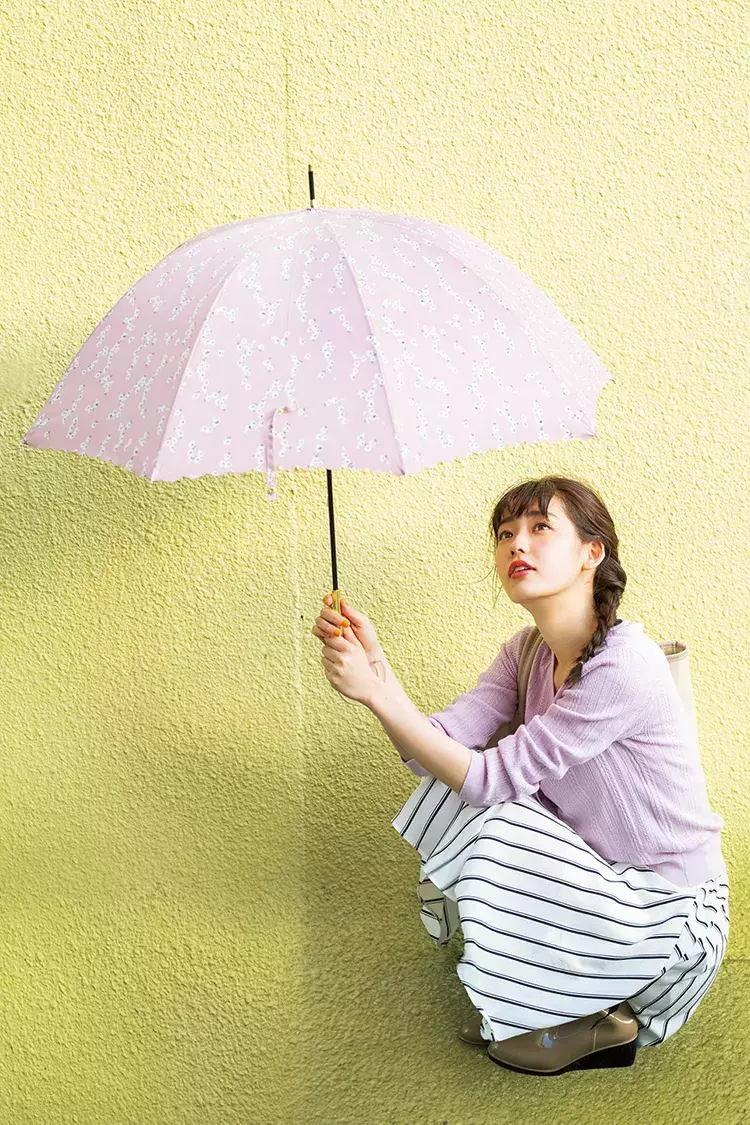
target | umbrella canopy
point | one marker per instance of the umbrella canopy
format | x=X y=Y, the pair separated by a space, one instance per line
x=322 y=338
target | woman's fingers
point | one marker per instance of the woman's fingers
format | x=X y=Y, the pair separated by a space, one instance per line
x=329 y=614
x=329 y=626
x=328 y=635
x=327 y=621
x=338 y=643
x=326 y=628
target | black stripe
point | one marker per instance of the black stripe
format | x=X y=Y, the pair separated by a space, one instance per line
x=570 y=906
x=548 y=945
x=419 y=804
x=687 y=927
x=461 y=809
x=589 y=852
x=584 y=847
x=456 y=835
x=541 y=988
x=578 y=953
x=617 y=879
x=531 y=1008
x=573 y=886
x=669 y=1014
x=709 y=925
x=604 y=866
x=670 y=988
x=449 y=843
x=548 y=968
x=432 y=815
x=569 y=929
x=506 y=1023
x=646 y=987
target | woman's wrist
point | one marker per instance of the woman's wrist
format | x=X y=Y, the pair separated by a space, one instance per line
x=379 y=661
x=387 y=686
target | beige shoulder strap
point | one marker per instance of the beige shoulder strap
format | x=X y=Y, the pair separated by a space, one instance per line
x=526 y=658
x=675 y=652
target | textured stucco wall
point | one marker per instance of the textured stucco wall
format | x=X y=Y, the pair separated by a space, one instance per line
x=206 y=916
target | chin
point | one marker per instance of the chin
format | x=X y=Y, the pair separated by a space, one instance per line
x=519 y=595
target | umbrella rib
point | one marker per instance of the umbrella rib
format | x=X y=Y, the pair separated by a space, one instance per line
x=270 y=453
x=498 y=287
x=193 y=346
x=374 y=344
x=233 y=270
x=537 y=323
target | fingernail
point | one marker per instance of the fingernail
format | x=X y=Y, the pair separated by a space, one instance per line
x=337 y=632
x=344 y=624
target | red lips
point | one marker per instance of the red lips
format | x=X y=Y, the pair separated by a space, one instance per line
x=516 y=564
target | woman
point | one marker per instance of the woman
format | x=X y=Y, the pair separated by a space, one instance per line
x=571 y=958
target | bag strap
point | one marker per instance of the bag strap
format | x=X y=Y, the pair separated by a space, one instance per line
x=525 y=660
x=676 y=654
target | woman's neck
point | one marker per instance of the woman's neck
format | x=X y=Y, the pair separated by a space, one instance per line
x=567 y=635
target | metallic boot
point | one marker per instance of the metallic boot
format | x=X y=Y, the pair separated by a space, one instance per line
x=602 y=1039
x=470 y=1031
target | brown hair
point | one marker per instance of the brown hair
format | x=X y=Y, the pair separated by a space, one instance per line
x=586 y=510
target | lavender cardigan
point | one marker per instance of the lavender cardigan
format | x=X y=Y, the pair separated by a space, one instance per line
x=612 y=755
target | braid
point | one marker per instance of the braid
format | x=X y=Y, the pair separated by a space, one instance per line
x=609 y=583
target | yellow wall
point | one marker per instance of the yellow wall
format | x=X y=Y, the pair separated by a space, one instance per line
x=206 y=917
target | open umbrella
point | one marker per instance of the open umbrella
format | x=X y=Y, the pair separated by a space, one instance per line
x=387 y=342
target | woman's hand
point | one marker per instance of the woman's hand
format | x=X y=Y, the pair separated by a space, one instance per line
x=361 y=626
x=350 y=651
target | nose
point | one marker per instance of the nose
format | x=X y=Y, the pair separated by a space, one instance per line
x=518 y=551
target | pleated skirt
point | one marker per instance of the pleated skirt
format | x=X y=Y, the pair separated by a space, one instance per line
x=552 y=931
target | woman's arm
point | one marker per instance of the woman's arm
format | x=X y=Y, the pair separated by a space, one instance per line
x=435 y=751
x=401 y=752
x=474 y=715
x=386 y=674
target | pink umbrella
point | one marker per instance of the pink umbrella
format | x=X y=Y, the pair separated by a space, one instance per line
x=322 y=338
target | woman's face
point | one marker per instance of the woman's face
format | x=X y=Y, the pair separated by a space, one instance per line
x=551 y=546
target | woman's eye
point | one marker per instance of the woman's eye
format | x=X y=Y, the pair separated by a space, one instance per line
x=540 y=524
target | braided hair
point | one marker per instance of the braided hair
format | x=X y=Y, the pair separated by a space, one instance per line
x=586 y=510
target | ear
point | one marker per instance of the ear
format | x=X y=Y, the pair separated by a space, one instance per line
x=597 y=553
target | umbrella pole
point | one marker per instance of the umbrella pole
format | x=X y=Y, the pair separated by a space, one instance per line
x=336 y=594
x=335 y=588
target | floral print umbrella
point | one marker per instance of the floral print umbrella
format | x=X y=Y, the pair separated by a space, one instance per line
x=322 y=338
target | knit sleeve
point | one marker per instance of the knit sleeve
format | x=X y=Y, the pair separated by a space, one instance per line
x=473 y=717
x=605 y=705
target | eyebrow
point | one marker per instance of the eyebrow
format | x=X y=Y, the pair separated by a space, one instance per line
x=535 y=512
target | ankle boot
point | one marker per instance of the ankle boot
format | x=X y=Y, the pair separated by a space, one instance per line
x=470 y=1031
x=602 y=1039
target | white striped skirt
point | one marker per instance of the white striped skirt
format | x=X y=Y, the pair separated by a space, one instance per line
x=552 y=931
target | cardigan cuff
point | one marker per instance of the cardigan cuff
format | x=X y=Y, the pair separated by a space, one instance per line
x=475 y=782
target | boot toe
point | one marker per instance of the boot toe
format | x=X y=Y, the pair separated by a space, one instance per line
x=470 y=1031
